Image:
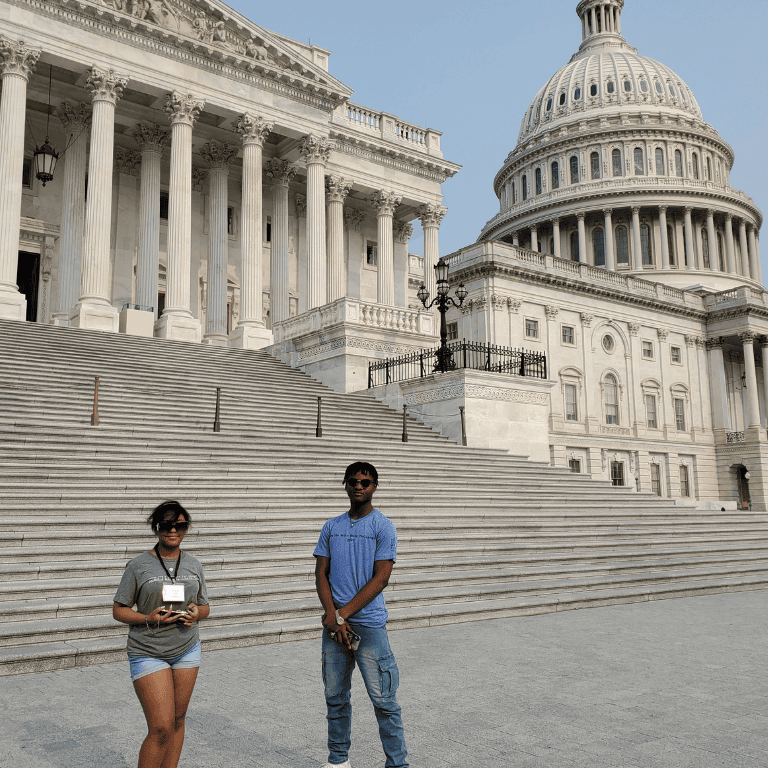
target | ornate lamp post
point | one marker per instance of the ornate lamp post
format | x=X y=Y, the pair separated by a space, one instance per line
x=445 y=361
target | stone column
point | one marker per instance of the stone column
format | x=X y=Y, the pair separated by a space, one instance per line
x=336 y=194
x=16 y=62
x=280 y=174
x=582 y=238
x=752 y=416
x=754 y=262
x=744 y=249
x=610 y=258
x=219 y=158
x=764 y=346
x=556 y=237
x=431 y=216
x=76 y=121
x=401 y=231
x=94 y=308
x=250 y=332
x=717 y=385
x=316 y=153
x=152 y=140
x=689 y=247
x=177 y=321
x=535 y=238
x=637 y=250
x=714 y=253
x=664 y=239
x=729 y=249
x=384 y=203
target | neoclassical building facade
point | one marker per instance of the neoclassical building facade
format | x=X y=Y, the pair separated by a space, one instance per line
x=621 y=249
x=214 y=179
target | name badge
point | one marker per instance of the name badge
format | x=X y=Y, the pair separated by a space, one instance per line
x=173 y=593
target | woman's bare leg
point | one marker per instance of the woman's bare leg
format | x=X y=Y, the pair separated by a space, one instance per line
x=183 y=685
x=156 y=694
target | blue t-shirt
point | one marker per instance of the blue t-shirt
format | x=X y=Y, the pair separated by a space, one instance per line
x=353 y=546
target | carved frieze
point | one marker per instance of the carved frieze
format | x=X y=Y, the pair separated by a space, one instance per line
x=478 y=392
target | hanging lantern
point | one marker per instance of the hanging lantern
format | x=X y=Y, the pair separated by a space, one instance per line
x=45 y=162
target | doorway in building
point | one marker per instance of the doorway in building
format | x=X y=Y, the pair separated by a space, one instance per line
x=743 y=484
x=28 y=280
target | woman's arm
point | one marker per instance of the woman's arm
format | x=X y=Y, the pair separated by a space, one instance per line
x=126 y=615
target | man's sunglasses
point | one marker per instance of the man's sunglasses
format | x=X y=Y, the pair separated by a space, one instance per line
x=167 y=527
x=353 y=483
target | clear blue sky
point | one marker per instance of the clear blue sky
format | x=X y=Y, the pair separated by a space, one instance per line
x=471 y=69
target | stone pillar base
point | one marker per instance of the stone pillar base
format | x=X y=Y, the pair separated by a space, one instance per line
x=13 y=305
x=61 y=319
x=216 y=340
x=251 y=337
x=179 y=327
x=95 y=317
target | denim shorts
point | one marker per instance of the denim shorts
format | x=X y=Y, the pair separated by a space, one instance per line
x=141 y=666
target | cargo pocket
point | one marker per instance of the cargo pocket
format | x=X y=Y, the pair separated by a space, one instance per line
x=389 y=676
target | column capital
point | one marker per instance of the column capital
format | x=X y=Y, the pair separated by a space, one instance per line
x=151 y=138
x=337 y=189
x=384 y=203
x=556 y=221
x=663 y=208
x=634 y=328
x=751 y=226
x=253 y=129
x=199 y=176
x=301 y=206
x=690 y=340
x=747 y=337
x=183 y=108
x=218 y=155
x=581 y=215
x=662 y=333
x=353 y=219
x=763 y=342
x=688 y=209
x=279 y=173
x=315 y=149
x=711 y=212
x=729 y=217
x=17 y=58
x=127 y=162
x=551 y=311
x=75 y=118
x=105 y=85
x=534 y=228
x=607 y=211
x=431 y=215
x=586 y=319
x=402 y=231
x=714 y=342
x=636 y=210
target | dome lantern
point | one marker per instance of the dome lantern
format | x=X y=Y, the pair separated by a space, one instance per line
x=599 y=17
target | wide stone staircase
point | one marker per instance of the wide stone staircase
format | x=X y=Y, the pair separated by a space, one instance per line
x=482 y=534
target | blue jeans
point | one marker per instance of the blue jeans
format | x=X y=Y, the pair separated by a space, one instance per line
x=377 y=666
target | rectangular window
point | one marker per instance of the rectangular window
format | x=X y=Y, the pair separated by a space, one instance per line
x=575 y=465
x=617 y=473
x=680 y=414
x=571 y=406
x=648 y=350
x=650 y=411
x=569 y=335
x=685 y=483
x=268 y=230
x=676 y=354
x=164 y=206
x=371 y=254
x=453 y=331
x=26 y=173
x=532 y=329
x=656 y=479
x=230 y=220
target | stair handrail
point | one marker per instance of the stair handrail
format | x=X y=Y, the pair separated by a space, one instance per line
x=319 y=427
x=95 y=414
x=217 y=418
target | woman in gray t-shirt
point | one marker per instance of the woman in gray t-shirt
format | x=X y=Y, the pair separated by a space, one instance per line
x=162 y=596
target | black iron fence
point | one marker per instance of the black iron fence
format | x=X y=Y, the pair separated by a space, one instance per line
x=473 y=355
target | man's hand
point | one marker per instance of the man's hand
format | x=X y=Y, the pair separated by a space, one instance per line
x=341 y=636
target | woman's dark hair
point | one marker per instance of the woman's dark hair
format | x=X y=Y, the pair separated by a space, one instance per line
x=168 y=509
x=365 y=468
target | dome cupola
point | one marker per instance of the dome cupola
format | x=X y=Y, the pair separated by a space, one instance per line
x=600 y=20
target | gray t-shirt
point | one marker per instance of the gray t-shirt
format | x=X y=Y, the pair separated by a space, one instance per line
x=142 y=586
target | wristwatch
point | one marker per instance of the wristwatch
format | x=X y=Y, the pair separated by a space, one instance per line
x=339 y=620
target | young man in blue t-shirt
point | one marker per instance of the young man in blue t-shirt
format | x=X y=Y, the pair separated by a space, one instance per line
x=355 y=555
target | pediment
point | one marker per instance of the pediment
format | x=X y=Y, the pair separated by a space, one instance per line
x=214 y=29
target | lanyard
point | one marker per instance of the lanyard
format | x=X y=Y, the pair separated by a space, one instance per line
x=178 y=564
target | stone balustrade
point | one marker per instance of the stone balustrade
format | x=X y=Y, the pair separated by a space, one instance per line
x=736 y=295
x=388 y=127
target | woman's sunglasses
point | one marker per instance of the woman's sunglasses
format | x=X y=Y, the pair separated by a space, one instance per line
x=167 y=527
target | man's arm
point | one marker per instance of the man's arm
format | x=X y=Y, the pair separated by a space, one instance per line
x=323 y=586
x=382 y=570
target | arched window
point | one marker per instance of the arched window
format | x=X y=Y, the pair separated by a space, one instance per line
x=672 y=91
x=594 y=162
x=695 y=166
x=644 y=86
x=616 y=156
x=598 y=244
x=705 y=248
x=593 y=90
x=538 y=181
x=610 y=87
x=575 y=246
x=671 y=245
x=659 y=88
x=562 y=99
x=659 y=162
x=720 y=253
x=525 y=187
x=679 y=163
x=514 y=194
x=555 y=175
x=611 y=389
x=627 y=85
x=622 y=245
x=574 y=170
x=709 y=169
x=549 y=105
x=645 y=245
x=639 y=162
x=577 y=94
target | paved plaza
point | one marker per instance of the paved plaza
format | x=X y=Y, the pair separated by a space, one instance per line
x=672 y=684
